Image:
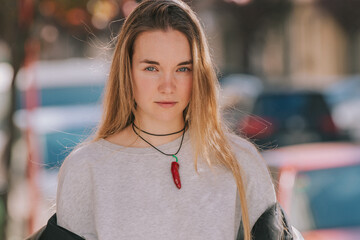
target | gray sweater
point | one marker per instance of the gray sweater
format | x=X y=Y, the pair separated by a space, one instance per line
x=109 y=192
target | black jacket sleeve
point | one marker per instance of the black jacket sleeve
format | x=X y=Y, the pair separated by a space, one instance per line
x=272 y=224
x=54 y=232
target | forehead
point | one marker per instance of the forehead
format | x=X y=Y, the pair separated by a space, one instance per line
x=162 y=45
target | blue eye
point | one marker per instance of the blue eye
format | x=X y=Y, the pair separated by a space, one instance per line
x=150 y=69
x=184 y=69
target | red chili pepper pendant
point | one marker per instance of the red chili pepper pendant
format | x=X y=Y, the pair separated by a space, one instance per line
x=175 y=173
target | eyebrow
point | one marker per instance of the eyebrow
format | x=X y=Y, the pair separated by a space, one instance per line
x=157 y=63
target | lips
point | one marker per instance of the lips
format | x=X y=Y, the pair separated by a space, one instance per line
x=166 y=104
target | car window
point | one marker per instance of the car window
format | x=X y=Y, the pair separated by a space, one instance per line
x=65 y=95
x=283 y=106
x=273 y=105
x=280 y=108
x=71 y=95
x=327 y=198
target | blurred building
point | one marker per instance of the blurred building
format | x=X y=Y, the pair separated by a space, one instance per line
x=305 y=43
x=302 y=43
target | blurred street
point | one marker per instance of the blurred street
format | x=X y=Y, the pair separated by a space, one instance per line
x=289 y=72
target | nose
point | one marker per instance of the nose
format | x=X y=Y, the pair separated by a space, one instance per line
x=167 y=83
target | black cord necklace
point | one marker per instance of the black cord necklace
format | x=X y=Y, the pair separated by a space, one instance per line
x=174 y=165
x=159 y=135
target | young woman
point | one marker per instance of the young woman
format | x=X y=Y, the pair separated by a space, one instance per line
x=161 y=165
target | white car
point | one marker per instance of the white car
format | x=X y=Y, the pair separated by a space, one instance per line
x=59 y=107
x=344 y=99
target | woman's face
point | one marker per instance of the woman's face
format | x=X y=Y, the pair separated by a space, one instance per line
x=162 y=75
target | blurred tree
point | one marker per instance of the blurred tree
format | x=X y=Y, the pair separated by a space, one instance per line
x=251 y=16
x=67 y=28
x=20 y=21
x=71 y=15
x=347 y=15
x=16 y=18
x=74 y=15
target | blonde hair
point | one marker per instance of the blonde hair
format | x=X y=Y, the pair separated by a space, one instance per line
x=202 y=114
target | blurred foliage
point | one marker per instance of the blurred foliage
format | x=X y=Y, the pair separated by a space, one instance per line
x=67 y=13
x=74 y=15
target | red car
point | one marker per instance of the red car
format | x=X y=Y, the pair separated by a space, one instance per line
x=318 y=185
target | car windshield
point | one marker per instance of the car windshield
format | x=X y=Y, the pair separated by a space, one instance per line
x=280 y=107
x=327 y=198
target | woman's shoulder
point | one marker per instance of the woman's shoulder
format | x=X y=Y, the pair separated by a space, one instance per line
x=259 y=186
x=85 y=149
x=248 y=156
x=81 y=155
x=241 y=145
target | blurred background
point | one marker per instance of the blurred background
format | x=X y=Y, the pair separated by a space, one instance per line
x=290 y=77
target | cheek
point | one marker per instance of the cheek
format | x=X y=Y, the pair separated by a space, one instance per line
x=142 y=87
x=141 y=92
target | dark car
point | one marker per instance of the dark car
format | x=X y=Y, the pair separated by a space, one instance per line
x=318 y=186
x=286 y=118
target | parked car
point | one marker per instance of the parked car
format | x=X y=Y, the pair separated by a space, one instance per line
x=58 y=107
x=318 y=186
x=289 y=117
x=59 y=97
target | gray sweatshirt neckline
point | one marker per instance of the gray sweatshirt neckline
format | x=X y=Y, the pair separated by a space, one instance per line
x=170 y=147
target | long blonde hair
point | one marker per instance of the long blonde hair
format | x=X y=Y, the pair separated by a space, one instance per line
x=202 y=114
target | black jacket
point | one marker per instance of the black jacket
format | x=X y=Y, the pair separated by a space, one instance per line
x=52 y=231
x=272 y=225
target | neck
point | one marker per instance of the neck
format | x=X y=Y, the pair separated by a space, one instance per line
x=152 y=145
x=155 y=134
x=158 y=128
